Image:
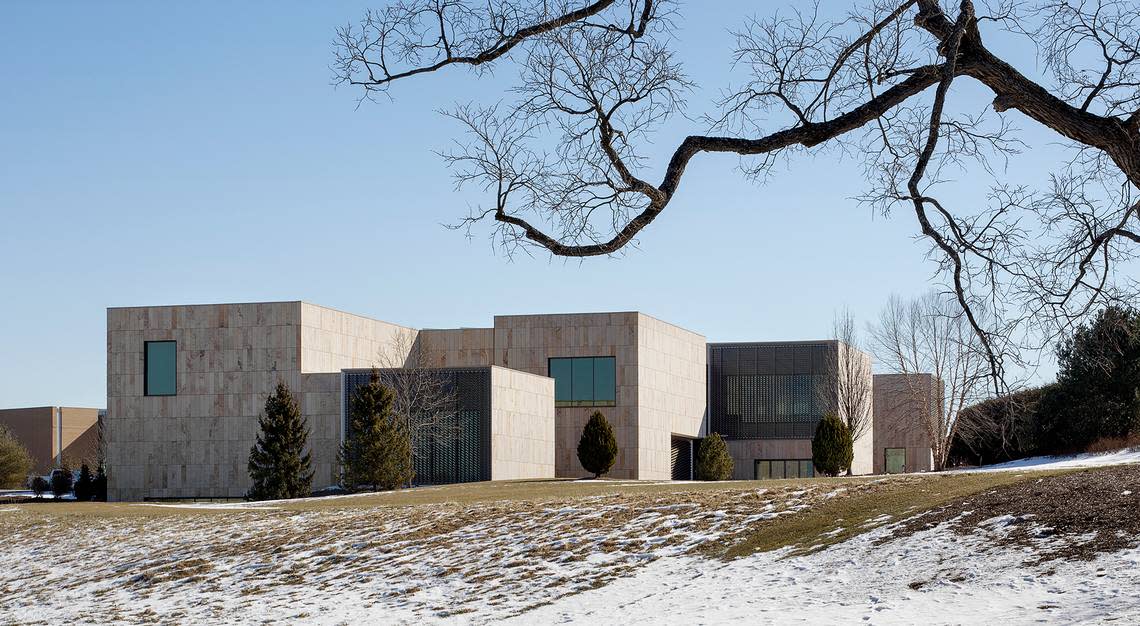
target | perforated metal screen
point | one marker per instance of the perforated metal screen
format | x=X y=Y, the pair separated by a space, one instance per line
x=767 y=391
x=455 y=445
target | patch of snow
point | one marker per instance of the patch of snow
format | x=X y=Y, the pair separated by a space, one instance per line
x=1126 y=456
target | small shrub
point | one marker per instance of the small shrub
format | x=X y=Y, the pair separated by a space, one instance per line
x=84 y=486
x=61 y=482
x=597 y=449
x=15 y=462
x=1112 y=444
x=713 y=460
x=40 y=486
x=832 y=449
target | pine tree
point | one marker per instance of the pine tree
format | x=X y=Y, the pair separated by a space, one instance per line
x=84 y=486
x=597 y=449
x=378 y=452
x=713 y=460
x=99 y=484
x=832 y=448
x=278 y=464
x=61 y=481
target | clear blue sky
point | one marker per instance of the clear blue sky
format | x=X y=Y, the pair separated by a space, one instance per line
x=163 y=153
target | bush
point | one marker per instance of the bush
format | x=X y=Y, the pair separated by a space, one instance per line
x=597 y=449
x=278 y=464
x=40 y=486
x=378 y=452
x=15 y=462
x=84 y=487
x=61 y=481
x=99 y=485
x=832 y=448
x=1098 y=384
x=713 y=460
x=999 y=429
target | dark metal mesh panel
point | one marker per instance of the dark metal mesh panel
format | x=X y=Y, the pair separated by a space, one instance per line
x=767 y=391
x=453 y=450
x=681 y=458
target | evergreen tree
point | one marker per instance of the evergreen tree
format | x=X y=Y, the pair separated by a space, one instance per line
x=278 y=464
x=1097 y=394
x=832 y=448
x=84 y=486
x=597 y=449
x=61 y=481
x=377 y=454
x=99 y=484
x=713 y=460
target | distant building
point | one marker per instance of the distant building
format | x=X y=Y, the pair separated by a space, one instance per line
x=905 y=406
x=55 y=434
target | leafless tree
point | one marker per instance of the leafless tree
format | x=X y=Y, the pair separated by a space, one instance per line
x=847 y=381
x=931 y=335
x=423 y=399
x=566 y=165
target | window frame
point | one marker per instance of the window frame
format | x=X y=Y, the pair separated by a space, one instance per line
x=886 y=455
x=594 y=401
x=146 y=368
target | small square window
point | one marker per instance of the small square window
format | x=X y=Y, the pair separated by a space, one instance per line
x=160 y=366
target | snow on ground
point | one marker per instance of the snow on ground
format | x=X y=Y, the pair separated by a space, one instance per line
x=932 y=577
x=1126 y=456
x=435 y=563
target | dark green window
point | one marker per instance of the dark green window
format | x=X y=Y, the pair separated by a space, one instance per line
x=784 y=468
x=160 y=364
x=584 y=381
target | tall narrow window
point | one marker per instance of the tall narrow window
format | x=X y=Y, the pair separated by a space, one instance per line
x=584 y=381
x=160 y=367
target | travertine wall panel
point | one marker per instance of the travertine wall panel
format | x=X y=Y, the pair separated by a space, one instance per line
x=522 y=425
x=904 y=405
x=459 y=347
x=671 y=375
x=527 y=342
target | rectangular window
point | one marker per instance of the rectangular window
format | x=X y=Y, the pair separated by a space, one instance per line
x=783 y=468
x=160 y=367
x=584 y=381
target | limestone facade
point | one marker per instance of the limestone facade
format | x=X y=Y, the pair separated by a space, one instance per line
x=904 y=406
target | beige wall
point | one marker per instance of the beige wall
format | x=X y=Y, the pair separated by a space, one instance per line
x=522 y=425
x=671 y=372
x=47 y=430
x=459 y=347
x=230 y=357
x=526 y=342
x=863 y=461
x=902 y=410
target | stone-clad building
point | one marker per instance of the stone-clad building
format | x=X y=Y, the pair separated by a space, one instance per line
x=185 y=385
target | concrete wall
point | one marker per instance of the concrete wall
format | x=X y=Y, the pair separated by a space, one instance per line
x=522 y=425
x=47 y=431
x=903 y=408
x=671 y=375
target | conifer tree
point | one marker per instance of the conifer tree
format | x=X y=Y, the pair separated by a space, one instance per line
x=99 y=484
x=597 y=449
x=377 y=454
x=832 y=448
x=84 y=486
x=278 y=463
x=713 y=460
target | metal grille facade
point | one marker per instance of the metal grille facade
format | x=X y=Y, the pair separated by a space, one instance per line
x=458 y=448
x=767 y=391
